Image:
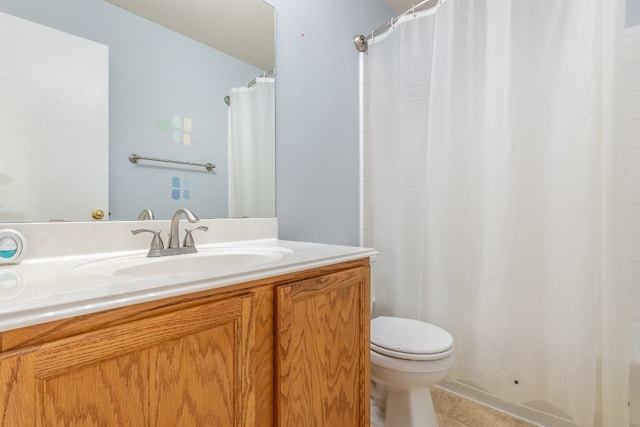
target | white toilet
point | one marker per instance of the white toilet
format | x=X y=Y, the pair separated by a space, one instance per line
x=407 y=357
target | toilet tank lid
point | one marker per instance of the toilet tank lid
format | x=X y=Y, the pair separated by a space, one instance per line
x=409 y=336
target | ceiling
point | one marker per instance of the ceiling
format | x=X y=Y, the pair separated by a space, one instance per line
x=235 y=27
x=244 y=29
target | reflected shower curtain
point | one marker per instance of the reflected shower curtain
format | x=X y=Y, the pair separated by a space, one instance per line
x=495 y=191
x=252 y=150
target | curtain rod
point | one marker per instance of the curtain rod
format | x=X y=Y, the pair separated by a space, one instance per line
x=264 y=75
x=272 y=72
x=362 y=41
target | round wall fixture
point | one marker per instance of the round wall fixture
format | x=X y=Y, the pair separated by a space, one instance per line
x=13 y=246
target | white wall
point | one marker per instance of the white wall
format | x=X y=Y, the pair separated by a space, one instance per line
x=631 y=138
x=54 y=107
x=317 y=138
x=631 y=135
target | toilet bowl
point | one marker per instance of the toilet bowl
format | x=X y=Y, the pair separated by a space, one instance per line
x=407 y=357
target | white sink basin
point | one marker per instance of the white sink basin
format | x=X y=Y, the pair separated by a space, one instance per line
x=203 y=261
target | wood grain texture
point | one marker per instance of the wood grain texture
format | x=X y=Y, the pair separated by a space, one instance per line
x=245 y=393
x=261 y=355
x=90 y=348
x=322 y=365
x=111 y=393
x=17 y=389
x=188 y=368
x=194 y=379
x=264 y=393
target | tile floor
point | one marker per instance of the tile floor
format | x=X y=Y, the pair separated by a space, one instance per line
x=455 y=411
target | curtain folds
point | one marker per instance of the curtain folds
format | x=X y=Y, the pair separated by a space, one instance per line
x=252 y=150
x=496 y=195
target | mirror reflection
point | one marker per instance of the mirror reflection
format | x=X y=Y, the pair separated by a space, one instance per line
x=164 y=99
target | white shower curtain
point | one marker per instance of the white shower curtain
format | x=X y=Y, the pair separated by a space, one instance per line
x=495 y=191
x=252 y=150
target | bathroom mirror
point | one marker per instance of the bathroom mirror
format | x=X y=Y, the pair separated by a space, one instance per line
x=170 y=66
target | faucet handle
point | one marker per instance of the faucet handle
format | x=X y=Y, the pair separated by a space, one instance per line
x=188 y=238
x=156 y=242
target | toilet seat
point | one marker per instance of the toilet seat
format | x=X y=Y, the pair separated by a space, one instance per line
x=409 y=339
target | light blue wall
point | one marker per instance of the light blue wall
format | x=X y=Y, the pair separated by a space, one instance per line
x=317 y=182
x=154 y=74
x=632 y=15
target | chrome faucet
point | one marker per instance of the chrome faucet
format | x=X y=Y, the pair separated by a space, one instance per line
x=146 y=214
x=174 y=232
x=173 y=248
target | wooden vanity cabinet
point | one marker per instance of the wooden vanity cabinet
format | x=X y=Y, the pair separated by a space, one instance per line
x=323 y=351
x=190 y=367
x=285 y=351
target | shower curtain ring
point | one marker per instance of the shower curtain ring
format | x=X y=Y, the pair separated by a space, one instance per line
x=413 y=10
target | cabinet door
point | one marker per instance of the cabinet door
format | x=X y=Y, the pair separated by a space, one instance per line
x=192 y=367
x=17 y=388
x=322 y=354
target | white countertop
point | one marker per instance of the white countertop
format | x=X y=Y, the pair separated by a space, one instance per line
x=50 y=288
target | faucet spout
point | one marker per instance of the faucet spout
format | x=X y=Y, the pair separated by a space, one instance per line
x=174 y=233
x=146 y=214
